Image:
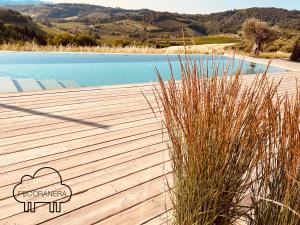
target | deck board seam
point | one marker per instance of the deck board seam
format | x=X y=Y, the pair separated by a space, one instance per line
x=163 y=175
x=71 y=125
x=108 y=157
x=82 y=106
x=132 y=206
x=135 y=172
x=74 y=149
x=61 y=123
x=83 y=96
x=77 y=138
x=57 y=102
x=95 y=171
x=151 y=132
x=75 y=90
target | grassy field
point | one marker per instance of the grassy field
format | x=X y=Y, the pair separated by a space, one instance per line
x=215 y=39
x=167 y=42
x=69 y=25
x=51 y=31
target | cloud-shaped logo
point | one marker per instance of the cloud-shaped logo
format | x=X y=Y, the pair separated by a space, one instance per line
x=45 y=186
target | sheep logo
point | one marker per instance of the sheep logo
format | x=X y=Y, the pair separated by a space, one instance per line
x=40 y=188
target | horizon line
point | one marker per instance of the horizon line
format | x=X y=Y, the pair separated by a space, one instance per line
x=41 y=2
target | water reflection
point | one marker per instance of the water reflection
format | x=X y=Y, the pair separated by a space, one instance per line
x=251 y=69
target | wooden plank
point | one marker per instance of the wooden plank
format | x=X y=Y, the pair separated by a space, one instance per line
x=40 y=103
x=94 y=159
x=53 y=146
x=97 y=143
x=123 y=166
x=162 y=219
x=86 y=205
x=142 y=213
x=32 y=97
x=15 y=111
x=27 y=127
x=115 y=204
x=74 y=134
x=87 y=180
x=80 y=125
x=49 y=93
x=73 y=115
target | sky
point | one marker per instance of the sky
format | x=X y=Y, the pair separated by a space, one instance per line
x=190 y=6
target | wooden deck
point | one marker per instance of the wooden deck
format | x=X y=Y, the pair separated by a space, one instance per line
x=106 y=144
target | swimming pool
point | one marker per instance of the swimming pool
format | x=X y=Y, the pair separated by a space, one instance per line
x=100 y=69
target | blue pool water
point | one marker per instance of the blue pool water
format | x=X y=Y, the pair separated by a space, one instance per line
x=100 y=69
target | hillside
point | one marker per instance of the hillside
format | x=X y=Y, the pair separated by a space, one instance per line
x=64 y=23
x=231 y=21
x=223 y=22
x=15 y=27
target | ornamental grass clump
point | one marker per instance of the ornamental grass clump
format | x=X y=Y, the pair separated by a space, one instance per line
x=276 y=194
x=219 y=125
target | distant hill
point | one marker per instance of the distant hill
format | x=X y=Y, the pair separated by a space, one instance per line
x=16 y=27
x=223 y=22
x=116 y=26
x=231 y=21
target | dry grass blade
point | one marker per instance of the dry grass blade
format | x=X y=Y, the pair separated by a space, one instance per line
x=213 y=135
x=220 y=130
x=276 y=194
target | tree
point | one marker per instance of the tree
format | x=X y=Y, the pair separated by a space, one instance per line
x=296 y=51
x=258 y=33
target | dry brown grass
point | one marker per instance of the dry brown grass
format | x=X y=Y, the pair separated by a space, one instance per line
x=132 y=49
x=221 y=132
x=276 y=194
x=274 y=55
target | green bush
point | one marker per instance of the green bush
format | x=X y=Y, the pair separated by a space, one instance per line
x=77 y=40
x=276 y=45
x=61 y=39
x=85 y=40
x=296 y=51
x=244 y=46
x=283 y=44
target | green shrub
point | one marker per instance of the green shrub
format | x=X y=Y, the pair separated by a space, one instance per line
x=121 y=43
x=275 y=46
x=66 y=39
x=62 y=39
x=85 y=40
x=244 y=46
x=296 y=51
